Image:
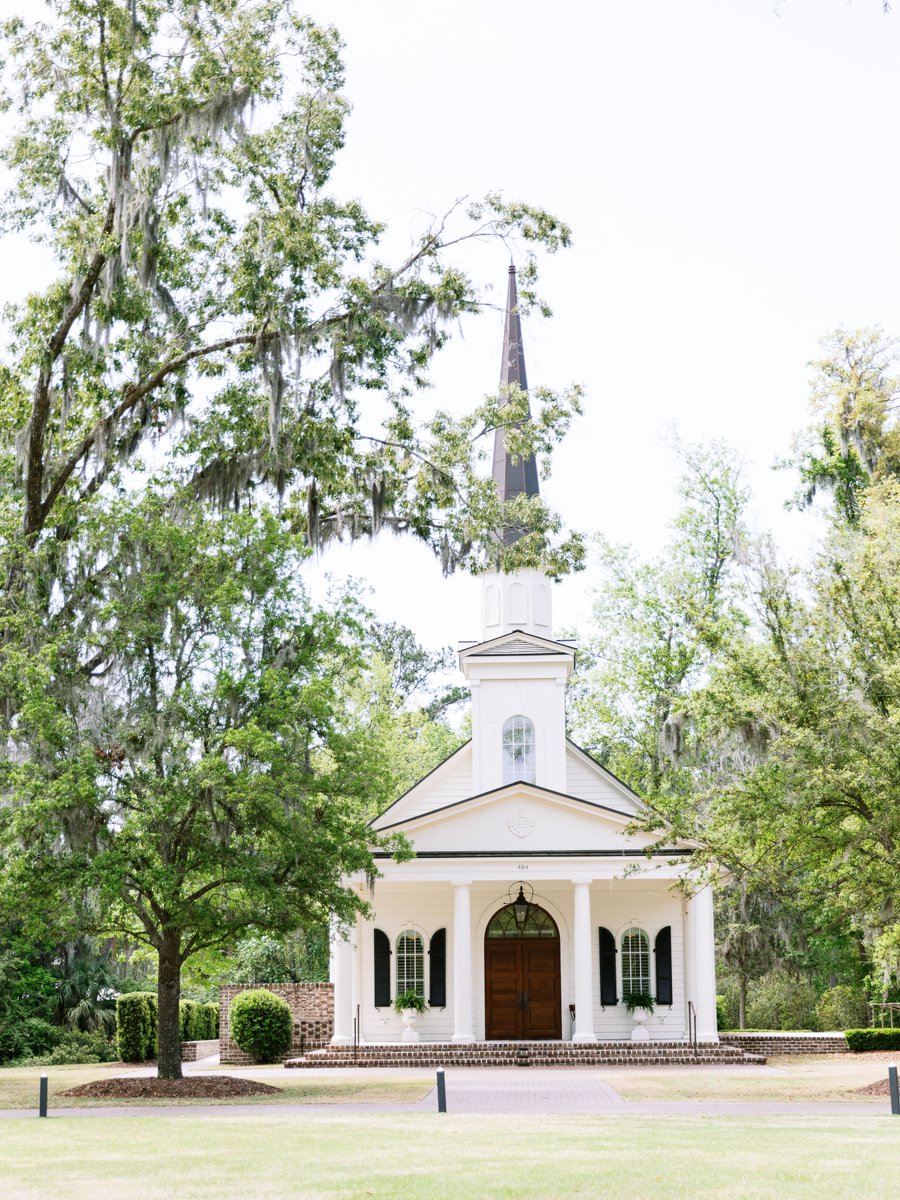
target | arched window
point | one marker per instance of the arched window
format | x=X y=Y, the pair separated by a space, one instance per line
x=410 y=963
x=537 y=923
x=635 y=962
x=518 y=750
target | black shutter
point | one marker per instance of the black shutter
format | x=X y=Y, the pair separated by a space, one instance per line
x=382 y=970
x=608 y=993
x=437 y=954
x=664 y=966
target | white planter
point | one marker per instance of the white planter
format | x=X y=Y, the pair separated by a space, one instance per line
x=639 y=1033
x=409 y=1017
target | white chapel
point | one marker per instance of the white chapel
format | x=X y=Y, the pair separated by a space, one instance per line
x=531 y=909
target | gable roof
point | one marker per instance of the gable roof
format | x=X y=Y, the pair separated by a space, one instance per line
x=604 y=772
x=431 y=776
x=517 y=642
x=507 y=789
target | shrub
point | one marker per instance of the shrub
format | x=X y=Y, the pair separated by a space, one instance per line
x=192 y=1021
x=211 y=1016
x=873 y=1039
x=136 y=1024
x=74 y=1047
x=261 y=1024
x=781 y=1001
x=842 y=1007
x=40 y=1037
x=722 y=1014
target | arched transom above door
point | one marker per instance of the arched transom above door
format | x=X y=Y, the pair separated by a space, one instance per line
x=537 y=923
x=521 y=974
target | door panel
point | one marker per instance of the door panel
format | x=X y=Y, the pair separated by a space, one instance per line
x=522 y=989
x=503 y=991
x=540 y=981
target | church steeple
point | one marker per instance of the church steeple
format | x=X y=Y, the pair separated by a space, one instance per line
x=513 y=478
x=521 y=600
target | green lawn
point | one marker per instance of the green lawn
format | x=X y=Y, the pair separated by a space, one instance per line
x=276 y=1156
x=19 y=1087
x=831 y=1077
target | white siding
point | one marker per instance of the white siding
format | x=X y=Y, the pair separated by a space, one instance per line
x=589 y=783
x=447 y=784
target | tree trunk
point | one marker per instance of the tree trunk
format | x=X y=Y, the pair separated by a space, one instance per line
x=168 y=995
x=742 y=1001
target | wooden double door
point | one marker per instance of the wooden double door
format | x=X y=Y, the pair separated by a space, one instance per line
x=522 y=989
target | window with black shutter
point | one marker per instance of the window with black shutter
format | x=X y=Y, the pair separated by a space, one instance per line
x=382 y=973
x=608 y=992
x=663 y=950
x=437 y=959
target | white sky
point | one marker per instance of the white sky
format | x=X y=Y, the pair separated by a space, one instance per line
x=730 y=172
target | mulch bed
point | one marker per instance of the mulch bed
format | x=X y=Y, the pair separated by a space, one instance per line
x=881 y=1087
x=192 y=1087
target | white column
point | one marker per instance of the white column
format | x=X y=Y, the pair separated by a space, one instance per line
x=690 y=974
x=584 y=976
x=356 y=975
x=703 y=963
x=342 y=977
x=462 y=964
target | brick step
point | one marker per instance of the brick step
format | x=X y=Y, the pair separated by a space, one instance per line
x=505 y=1054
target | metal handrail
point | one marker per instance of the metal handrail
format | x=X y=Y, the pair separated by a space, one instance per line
x=692 y=1025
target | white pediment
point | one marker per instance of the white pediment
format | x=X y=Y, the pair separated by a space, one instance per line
x=520 y=817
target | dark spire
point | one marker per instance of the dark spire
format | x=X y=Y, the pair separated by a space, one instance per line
x=513 y=478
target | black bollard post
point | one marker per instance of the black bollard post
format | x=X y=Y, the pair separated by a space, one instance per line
x=894 y=1089
x=442 y=1090
x=42 y=1101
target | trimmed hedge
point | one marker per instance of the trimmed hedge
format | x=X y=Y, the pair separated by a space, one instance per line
x=136 y=1026
x=872 y=1039
x=212 y=1020
x=261 y=1024
x=199 y=1022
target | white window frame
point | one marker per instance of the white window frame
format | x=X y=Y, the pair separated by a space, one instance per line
x=513 y=726
x=651 y=983
x=419 y=985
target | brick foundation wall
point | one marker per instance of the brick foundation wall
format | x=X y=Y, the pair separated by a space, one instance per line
x=312 y=1017
x=193 y=1051
x=790 y=1042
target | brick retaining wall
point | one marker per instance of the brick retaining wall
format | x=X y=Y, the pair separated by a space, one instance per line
x=312 y=1017
x=789 y=1042
x=193 y=1051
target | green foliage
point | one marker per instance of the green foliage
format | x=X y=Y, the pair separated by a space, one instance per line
x=841 y=1007
x=779 y=1000
x=862 y=1040
x=75 y=1046
x=857 y=441
x=261 y=1025
x=410 y=999
x=198 y=1022
x=207 y=269
x=85 y=986
x=211 y=1013
x=27 y=994
x=726 y=1012
x=136 y=1026
x=657 y=626
x=633 y=1000
x=296 y=957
